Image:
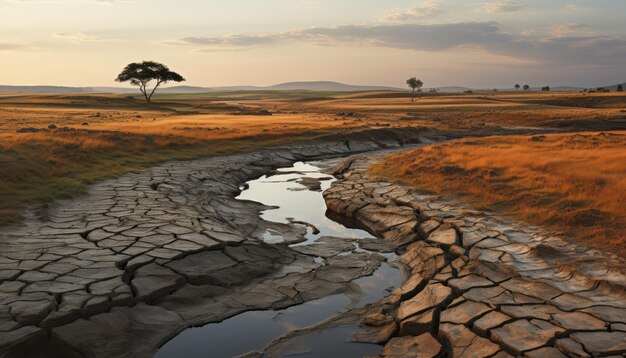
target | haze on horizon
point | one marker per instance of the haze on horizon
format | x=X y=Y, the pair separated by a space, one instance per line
x=478 y=43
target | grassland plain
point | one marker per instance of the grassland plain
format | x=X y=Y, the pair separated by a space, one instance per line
x=54 y=145
x=571 y=183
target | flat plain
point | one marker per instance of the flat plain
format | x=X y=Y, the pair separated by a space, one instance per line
x=52 y=146
x=570 y=183
x=125 y=225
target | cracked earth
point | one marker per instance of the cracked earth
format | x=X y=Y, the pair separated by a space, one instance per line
x=478 y=285
x=138 y=259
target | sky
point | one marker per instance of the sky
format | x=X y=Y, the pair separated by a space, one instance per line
x=474 y=43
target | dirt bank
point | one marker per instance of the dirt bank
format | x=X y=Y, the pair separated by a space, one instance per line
x=479 y=285
x=137 y=259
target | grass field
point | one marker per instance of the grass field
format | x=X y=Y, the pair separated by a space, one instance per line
x=95 y=136
x=571 y=183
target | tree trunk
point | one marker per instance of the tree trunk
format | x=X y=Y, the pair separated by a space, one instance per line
x=153 y=90
x=413 y=96
x=143 y=91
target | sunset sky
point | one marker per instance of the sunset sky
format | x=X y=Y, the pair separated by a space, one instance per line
x=477 y=43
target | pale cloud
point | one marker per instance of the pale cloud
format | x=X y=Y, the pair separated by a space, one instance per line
x=77 y=37
x=502 y=6
x=570 y=28
x=10 y=46
x=408 y=36
x=72 y=1
x=426 y=10
x=309 y=4
x=572 y=7
x=229 y=42
x=564 y=48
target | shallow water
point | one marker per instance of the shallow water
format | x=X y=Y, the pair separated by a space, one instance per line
x=294 y=201
x=331 y=343
x=250 y=330
x=253 y=330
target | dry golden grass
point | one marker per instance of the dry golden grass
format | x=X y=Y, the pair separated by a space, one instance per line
x=42 y=164
x=101 y=136
x=39 y=167
x=573 y=183
x=486 y=110
x=224 y=126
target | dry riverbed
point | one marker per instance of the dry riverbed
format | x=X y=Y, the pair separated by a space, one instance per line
x=479 y=285
x=141 y=259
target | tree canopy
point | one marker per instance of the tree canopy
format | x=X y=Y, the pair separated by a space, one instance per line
x=414 y=84
x=142 y=73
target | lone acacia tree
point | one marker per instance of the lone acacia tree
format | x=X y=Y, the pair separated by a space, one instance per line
x=526 y=87
x=141 y=74
x=517 y=86
x=414 y=84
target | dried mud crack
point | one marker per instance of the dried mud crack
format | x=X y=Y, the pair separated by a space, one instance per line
x=123 y=269
x=478 y=285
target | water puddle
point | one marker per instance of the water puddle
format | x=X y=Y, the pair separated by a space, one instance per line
x=295 y=202
x=254 y=330
x=250 y=331
x=331 y=343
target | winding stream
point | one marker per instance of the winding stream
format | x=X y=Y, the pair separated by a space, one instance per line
x=292 y=201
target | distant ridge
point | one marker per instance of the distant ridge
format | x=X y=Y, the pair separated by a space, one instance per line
x=287 y=86
x=327 y=86
x=452 y=89
x=614 y=87
x=45 y=89
x=563 y=89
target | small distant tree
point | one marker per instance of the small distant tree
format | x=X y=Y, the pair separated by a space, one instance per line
x=620 y=88
x=517 y=86
x=414 y=84
x=526 y=87
x=142 y=73
x=545 y=89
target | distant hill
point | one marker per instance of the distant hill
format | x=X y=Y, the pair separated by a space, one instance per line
x=564 y=89
x=614 y=87
x=452 y=89
x=532 y=89
x=113 y=90
x=288 y=86
x=327 y=86
x=45 y=89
